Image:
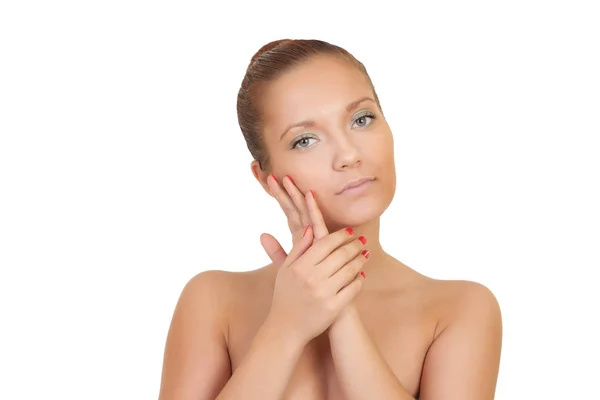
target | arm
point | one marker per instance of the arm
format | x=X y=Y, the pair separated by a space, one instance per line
x=360 y=368
x=461 y=364
x=362 y=372
x=463 y=361
x=196 y=363
x=266 y=370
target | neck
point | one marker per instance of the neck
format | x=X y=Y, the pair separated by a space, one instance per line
x=377 y=256
x=381 y=269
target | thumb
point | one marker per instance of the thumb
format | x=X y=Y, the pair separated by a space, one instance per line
x=273 y=249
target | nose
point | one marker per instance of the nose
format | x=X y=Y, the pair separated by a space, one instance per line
x=347 y=154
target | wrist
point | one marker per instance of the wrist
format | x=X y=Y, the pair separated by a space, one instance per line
x=285 y=339
x=347 y=318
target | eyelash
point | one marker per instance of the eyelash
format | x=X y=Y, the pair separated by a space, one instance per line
x=366 y=114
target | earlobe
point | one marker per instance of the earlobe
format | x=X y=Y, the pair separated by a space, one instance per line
x=261 y=176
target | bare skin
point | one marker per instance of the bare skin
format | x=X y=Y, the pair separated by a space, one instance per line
x=397 y=334
x=400 y=309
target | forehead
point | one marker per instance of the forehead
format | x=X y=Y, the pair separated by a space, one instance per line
x=321 y=86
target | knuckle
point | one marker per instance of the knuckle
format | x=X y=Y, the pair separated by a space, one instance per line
x=352 y=268
x=356 y=287
x=294 y=215
x=297 y=272
x=320 y=295
x=348 y=251
x=312 y=281
x=341 y=236
x=352 y=272
x=341 y=233
x=330 y=307
x=293 y=224
x=358 y=245
x=359 y=264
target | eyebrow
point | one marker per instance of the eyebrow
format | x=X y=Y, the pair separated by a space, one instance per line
x=310 y=123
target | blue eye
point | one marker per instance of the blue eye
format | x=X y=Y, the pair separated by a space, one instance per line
x=302 y=142
x=364 y=119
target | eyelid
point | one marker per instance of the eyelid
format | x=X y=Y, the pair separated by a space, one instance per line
x=363 y=113
x=297 y=139
x=360 y=114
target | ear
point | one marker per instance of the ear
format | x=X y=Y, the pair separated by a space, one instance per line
x=261 y=176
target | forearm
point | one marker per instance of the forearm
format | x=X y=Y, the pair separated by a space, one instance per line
x=361 y=370
x=267 y=367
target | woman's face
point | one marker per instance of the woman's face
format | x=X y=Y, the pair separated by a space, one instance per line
x=323 y=128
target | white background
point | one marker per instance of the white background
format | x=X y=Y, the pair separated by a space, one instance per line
x=123 y=173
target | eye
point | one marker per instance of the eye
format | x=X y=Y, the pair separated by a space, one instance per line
x=364 y=119
x=302 y=142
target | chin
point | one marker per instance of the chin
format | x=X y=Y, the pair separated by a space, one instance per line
x=346 y=212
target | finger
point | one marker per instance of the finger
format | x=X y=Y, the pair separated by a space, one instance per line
x=273 y=248
x=301 y=247
x=348 y=293
x=316 y=217
x=323 y=247
x=347 y=273
x=286 y=204
x=298 y=199
x=343 y=255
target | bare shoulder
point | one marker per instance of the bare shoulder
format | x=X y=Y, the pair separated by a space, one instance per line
x=210 y=281
x=464 y=356
x=224 y=287
x=210 y=288
x=213 y=280
x=463 y=300
x=196 y=361
x=446 y=300
x=461 y=290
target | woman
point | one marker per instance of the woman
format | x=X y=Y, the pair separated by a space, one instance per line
x=337 y=318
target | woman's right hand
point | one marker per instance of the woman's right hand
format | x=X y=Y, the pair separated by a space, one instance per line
x=316 y=281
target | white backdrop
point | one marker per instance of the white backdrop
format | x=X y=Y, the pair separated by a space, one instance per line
x=123 y=173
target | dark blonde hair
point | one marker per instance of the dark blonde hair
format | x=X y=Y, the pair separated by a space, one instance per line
x=269 y=62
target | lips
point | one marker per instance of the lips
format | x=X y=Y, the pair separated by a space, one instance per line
x=354 y=183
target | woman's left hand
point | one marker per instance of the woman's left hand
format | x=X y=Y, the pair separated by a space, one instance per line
x=300 y=209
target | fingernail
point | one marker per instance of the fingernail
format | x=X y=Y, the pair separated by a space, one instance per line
x=305 y=230
x=291 y=180
x=363 y=274
x=313 y=194
x=366 y=253
x=350 y=231
x=362 y=239
x=275 y=178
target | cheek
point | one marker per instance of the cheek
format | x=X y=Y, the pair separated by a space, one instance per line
x=381 y=152
x=305 y=175
x=388 y=153
x=381 y=158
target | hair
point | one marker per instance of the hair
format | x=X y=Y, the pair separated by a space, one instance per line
x=268 y=63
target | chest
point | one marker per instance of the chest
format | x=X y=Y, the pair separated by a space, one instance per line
x=402 y=335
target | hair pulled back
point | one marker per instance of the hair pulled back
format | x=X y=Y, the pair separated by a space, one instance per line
x=269 y=62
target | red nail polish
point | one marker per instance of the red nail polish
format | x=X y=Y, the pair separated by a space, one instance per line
x=291 y=180
x=305 y=230
x=313 y=194
x=363 y=239
x=350 y=231
x=274 y=177
x=366 y=253
x=363 y=274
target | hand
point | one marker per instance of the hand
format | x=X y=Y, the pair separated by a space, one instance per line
x=301 y=211
x=316 y=281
